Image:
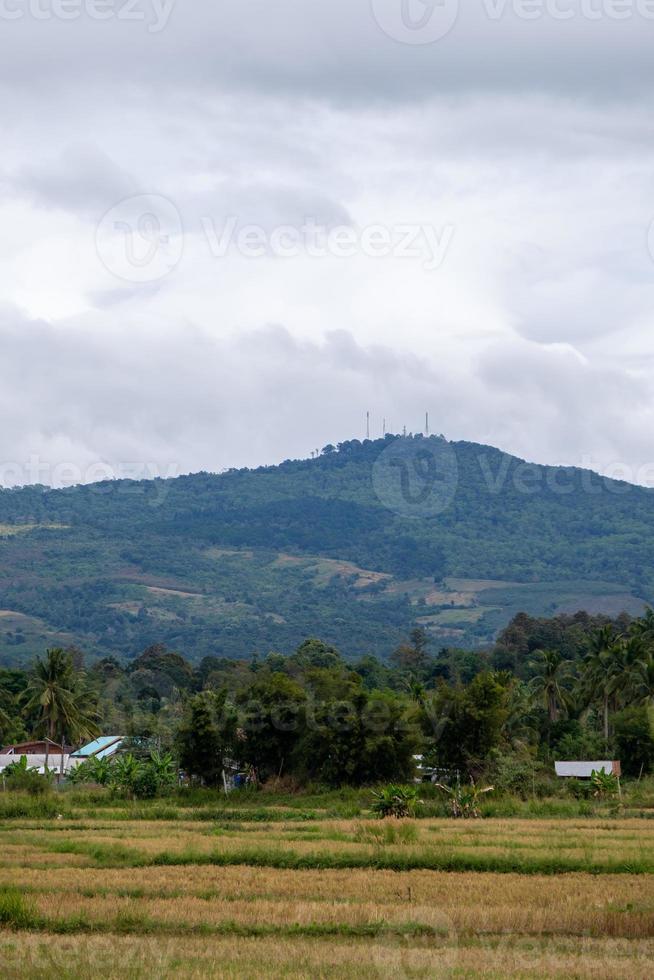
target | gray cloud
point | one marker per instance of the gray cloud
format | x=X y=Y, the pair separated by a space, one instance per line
x=82 y=178
x=136 y=405
x=530 y=140
x=336 y=50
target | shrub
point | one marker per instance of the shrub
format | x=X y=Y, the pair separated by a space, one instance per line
x=516 y=776
x=579 y=789
x=19 y=777
x=282 y=784
x=15 y=911
x=16 y=805
x=145 y=784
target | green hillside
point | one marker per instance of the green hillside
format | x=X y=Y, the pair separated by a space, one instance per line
x=355 y=546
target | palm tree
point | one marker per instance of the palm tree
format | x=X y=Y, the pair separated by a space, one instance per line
x=631 y=657
x=521 y=724
x=604 y=666
x=49 y=693
x=644 y=625
x=54 y=692
x=416 y=690
x=642 y=658
x=5 y=720
x=82 y=723
x=548 y=683
x=642 y=680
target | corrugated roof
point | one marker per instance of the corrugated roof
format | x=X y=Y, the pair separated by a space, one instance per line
x=584 y=770
x=100 y=747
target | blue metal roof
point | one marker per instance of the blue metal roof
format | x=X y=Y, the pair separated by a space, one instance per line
x=100 y=747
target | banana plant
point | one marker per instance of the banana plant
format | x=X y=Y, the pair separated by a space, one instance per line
x=125 y=771
x=396 y=801
x=464 y=800
x=164 y=768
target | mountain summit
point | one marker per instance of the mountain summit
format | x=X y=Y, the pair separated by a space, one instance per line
x=357 y=546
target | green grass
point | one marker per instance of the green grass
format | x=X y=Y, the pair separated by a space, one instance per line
x=14 y=806
x=257 y=808
x=117 y=856
x=16 y=912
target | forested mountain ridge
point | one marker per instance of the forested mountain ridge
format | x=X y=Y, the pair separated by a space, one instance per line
x=259 y=559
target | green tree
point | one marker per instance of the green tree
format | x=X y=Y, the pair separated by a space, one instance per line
x=207 y=734
x=643 y=627
x=412 y=657
x=272 y=721
x=643 y=680
x=603 y=665
x=634 y=740
x=464 y=724
x=5 y=722
x=62 y=705
x=548 y=684
x=370 y=737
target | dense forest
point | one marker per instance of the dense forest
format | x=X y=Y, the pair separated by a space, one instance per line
x=253 y=560
x=566 y=687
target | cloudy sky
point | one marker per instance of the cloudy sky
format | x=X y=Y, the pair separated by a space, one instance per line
x=228 y=229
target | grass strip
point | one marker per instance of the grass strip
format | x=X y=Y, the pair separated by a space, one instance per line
x=19 y=914
x=117 y=856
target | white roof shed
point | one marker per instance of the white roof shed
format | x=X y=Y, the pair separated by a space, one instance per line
x=584 y=770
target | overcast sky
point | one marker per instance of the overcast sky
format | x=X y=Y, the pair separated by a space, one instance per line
x=228 y=229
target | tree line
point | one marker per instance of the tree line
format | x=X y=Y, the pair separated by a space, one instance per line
x=568 y=687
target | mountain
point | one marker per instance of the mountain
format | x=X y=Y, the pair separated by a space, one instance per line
x=356 y=546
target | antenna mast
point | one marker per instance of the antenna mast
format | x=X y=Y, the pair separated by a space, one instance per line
x=427 y=424
x=367 y=425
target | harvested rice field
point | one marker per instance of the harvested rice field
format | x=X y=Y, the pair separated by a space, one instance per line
x=106 y=896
